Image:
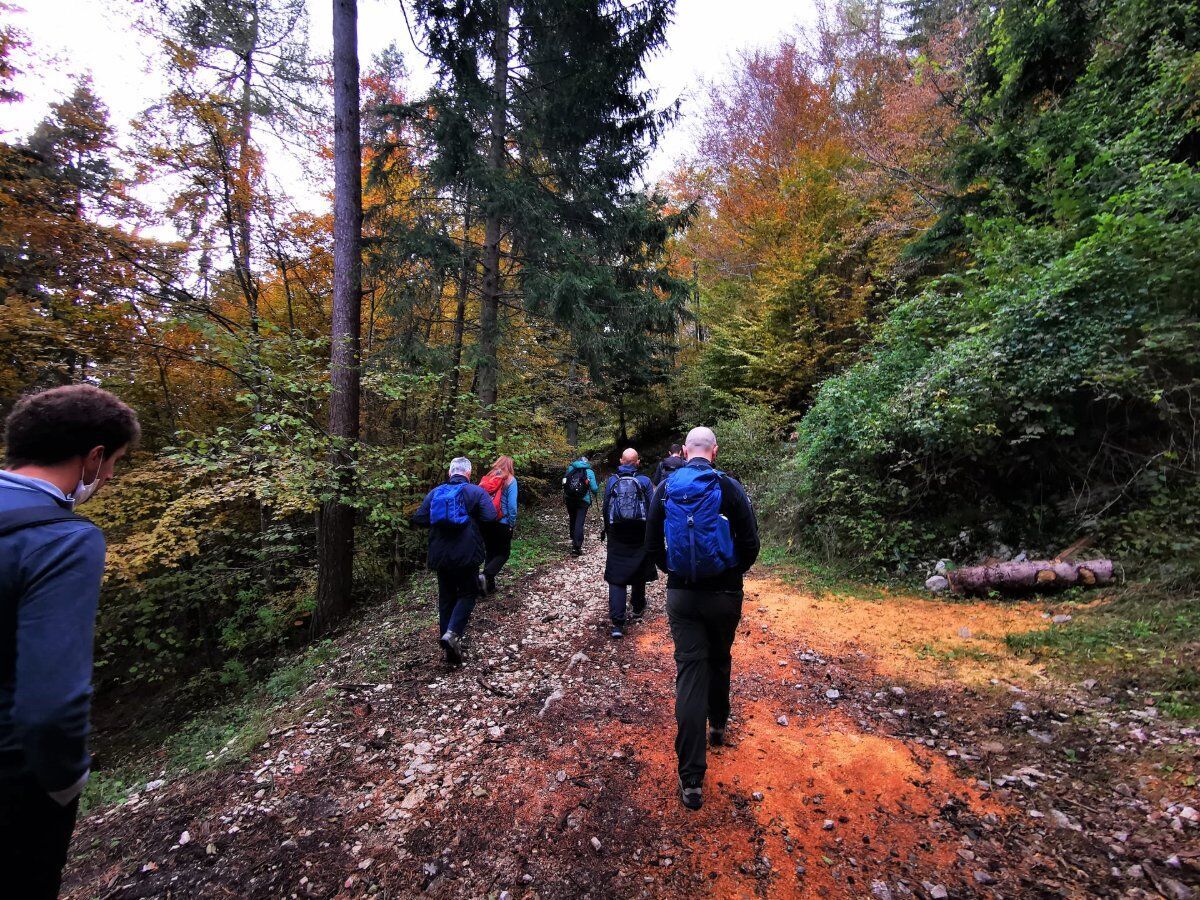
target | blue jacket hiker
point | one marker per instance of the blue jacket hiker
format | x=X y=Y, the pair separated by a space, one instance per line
x=61 y=446
x=501 y=486
x=453 y=513
x=702 y=532
x=579 y=488
x=627 y=497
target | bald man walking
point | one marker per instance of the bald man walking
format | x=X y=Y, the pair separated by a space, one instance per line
x=626 y=504
x=702 y=532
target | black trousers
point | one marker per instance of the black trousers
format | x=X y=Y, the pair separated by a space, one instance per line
x=576 y=513
x=458 y=590
x=703 y=625
x=34 y=835
x=616 y=600
x=497 y=538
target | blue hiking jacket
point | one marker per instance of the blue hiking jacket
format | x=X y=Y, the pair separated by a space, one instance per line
x=49 y=589
x=458 y=546
x=508 y=504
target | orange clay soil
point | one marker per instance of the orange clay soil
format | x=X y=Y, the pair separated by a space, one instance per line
x=928 y=642
x=835 y=800
x=819 y=807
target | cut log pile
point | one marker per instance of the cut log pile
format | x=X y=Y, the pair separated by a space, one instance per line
x=1027 y=577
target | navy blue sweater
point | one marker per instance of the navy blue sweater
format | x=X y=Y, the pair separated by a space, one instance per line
x=458 y=546
x=49 y=588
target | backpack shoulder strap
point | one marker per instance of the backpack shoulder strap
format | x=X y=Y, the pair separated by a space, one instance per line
x=33 y=516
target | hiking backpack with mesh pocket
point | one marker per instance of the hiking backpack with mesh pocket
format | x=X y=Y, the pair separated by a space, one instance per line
x=627 y=503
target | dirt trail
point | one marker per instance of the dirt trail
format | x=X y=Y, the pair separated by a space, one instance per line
x=882 y=747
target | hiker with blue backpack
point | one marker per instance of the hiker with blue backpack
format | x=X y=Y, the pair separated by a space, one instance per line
x=626 y=504
x=453 y=512
x=579 y=489
x=60 y=447
x=701 y=531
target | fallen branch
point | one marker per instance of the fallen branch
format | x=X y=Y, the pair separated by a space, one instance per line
x=493 y=690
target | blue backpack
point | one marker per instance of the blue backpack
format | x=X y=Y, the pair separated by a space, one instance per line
x=447 y=505
x=699 y=542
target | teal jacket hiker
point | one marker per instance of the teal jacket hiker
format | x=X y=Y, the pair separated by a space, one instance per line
x=593 y=485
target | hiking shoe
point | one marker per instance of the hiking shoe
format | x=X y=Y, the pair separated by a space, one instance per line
x=691 y=797
x=578 y=551
x=617 y=632
x=452 y=644
x=481 y=581
x=716 y=736
x=636 y=615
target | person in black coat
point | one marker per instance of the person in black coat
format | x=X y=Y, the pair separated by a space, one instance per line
x=626 y=502
x=672 y=461
x=452 y=512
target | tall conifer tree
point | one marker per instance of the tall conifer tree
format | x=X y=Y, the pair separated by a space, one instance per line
x=539 y=116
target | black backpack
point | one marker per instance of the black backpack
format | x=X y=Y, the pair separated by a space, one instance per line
x=668 y=467
x=32 y=516
x=627 y=502
x=575 y=485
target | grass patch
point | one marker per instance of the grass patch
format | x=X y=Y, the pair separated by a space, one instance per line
x=1141 y=638
x=955 y=654
x=813 y=576
x=533 y=544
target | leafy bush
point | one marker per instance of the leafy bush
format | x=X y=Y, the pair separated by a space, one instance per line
x=751 y=443
x=1044 y=389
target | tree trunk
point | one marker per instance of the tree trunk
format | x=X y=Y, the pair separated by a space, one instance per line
x=335 y=536
x=242 y=189
x=489 y=319
x=460 y=315
x=1027 y=577
x=573 y=413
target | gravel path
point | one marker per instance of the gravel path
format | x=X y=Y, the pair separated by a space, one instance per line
x=544 y=768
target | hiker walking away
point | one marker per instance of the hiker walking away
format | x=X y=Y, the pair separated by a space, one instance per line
x=701 y=531
x=579 y=487
x=453 y=512
x=669 y=463
x=60 y=446
x=501 y=486
x=627 y=569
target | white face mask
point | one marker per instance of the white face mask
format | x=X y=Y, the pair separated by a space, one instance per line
x=84 y=492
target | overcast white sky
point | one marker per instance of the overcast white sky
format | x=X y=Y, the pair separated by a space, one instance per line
x=74 y=37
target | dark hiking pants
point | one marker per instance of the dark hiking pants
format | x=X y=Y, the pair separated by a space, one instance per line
x=703 y=624
x=458 y=589
x=497 y=538
x=35 y=832
x=576 y=513
x=616 y=600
